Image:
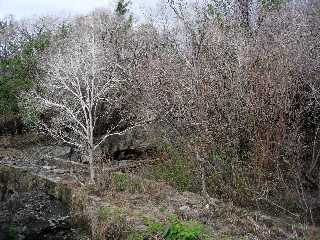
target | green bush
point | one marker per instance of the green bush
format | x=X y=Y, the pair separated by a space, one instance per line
x=272 y=4
x=178 y=230
x=19 y=73
x=174 y=229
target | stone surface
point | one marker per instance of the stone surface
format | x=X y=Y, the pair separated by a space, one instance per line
x=34 y=215
x=59 y=171
x=129 y=145
x=53 y=151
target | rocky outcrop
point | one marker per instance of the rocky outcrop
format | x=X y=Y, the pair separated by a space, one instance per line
x=51 y=151
x=34 y=215
x=132 y=144
x=35 y=202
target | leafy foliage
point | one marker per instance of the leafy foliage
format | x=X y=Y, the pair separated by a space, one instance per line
x=18 y=72
x=122 y=7
x=172 y=229
x=272 y=4
x=122 y=11
x=179 y=230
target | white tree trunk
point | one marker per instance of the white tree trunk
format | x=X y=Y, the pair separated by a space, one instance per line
x=201 y=161
x=91 y=165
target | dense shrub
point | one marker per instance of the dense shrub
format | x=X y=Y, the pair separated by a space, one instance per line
x=173 y=229
x=19 y=68
x=233 y=92
x=248 y=94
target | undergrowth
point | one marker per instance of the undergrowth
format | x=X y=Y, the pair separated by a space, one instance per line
x=176 y=168
x=172 y=229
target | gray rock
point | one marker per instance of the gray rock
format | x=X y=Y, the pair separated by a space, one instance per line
x=184 y=209
x=59 y=171
x=48 y=168
x=55 y=151
x=34 y=215
x=133 y=141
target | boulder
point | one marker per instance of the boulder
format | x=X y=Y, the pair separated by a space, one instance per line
x=132 y=144
x=34 y=215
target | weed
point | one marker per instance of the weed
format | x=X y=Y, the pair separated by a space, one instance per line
x=176 y=169
x=104 y=213
x=107 y=214
x=136 y=185
x=175 y=229
x=112 y=223
x=162 y=209
x=125 y=182
x=120 y=180
x=178 y=230
x=229 y=178
x=12 y=232
x=136 y=236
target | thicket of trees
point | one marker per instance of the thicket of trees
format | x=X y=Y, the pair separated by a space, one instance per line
x=232 y=85
x=20 y=46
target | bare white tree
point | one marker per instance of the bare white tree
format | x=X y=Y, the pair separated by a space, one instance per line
x=81 y=87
